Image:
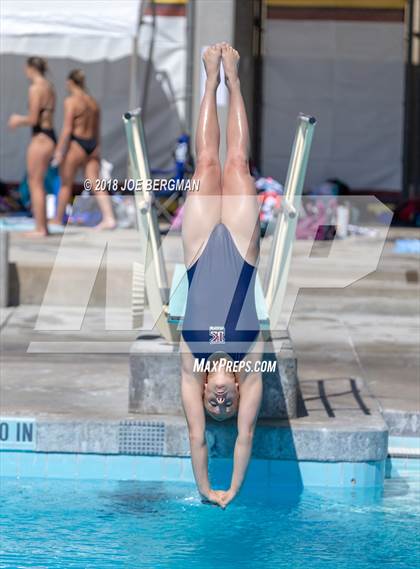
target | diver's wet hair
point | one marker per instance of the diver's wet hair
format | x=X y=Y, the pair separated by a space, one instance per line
x=78 y=77
x=38 y=63
x=217 y=357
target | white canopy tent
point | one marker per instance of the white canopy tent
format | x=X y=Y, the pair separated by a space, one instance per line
x=106 y=40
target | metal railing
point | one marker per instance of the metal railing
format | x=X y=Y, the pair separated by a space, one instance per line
x=151 y=273
x=282 y=245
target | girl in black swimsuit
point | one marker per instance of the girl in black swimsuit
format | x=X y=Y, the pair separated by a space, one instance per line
x=88 y=144
x=78 y=147
x=41 y=148
x=37 y=129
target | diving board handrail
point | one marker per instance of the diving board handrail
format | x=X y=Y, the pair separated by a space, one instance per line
x=155 y=276
x=281 y=247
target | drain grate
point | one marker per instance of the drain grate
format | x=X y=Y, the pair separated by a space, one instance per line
x=141 y=437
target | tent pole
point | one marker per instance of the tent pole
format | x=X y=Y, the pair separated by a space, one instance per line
x=190 y=67
x=133 y=80
x=148 y=68
x=132 y=98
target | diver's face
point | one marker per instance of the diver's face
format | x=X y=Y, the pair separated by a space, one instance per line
x=221 y=395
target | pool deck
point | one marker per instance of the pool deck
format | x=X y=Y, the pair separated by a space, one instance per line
x=357 y=352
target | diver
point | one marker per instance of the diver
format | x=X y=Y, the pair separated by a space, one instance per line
x=221 y=234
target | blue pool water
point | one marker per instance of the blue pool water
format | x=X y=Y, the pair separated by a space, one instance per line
x=21 y=223
x=135 y=525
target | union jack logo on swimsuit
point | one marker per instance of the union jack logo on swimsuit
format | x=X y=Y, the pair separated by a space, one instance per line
x=217 y=334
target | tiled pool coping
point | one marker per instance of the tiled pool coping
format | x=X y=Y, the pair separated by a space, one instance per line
x=271 y=473
x=158 y=450
x=27 y=464
x=404 y=447
x=165 y=435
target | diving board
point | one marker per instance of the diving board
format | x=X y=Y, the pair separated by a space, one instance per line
x=179 y=292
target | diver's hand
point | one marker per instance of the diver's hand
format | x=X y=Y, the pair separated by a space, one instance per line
x=227 y=497
x=214 y=497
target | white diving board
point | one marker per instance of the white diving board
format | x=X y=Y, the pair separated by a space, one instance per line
x=179 y=291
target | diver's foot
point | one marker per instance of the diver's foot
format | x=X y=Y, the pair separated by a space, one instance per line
x=106 y=225
x=211 y=59
x=230 y=58
x=35 y=234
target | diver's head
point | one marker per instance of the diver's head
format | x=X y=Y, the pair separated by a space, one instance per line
x=35 y=66
x=221 y=389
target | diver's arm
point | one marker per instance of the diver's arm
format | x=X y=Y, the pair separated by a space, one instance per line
x=31 y=118
x=249 y=406
x=192 y=401
x=191 y=392
x=64 y=139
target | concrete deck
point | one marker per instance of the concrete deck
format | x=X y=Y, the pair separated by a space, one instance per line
x=369 y=330
x=81 y=402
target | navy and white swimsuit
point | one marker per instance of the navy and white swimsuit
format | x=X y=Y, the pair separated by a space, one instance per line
x=221 y=315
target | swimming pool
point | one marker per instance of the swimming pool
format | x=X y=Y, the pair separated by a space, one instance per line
x=51 y=523
x=22 y=223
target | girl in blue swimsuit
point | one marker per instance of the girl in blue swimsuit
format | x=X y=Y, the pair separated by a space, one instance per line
x=221 y=246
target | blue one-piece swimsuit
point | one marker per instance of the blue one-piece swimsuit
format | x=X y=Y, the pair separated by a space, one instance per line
x=221 y=315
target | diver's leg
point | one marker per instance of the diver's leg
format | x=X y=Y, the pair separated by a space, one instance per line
x=202 y=206
x=240 y=207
